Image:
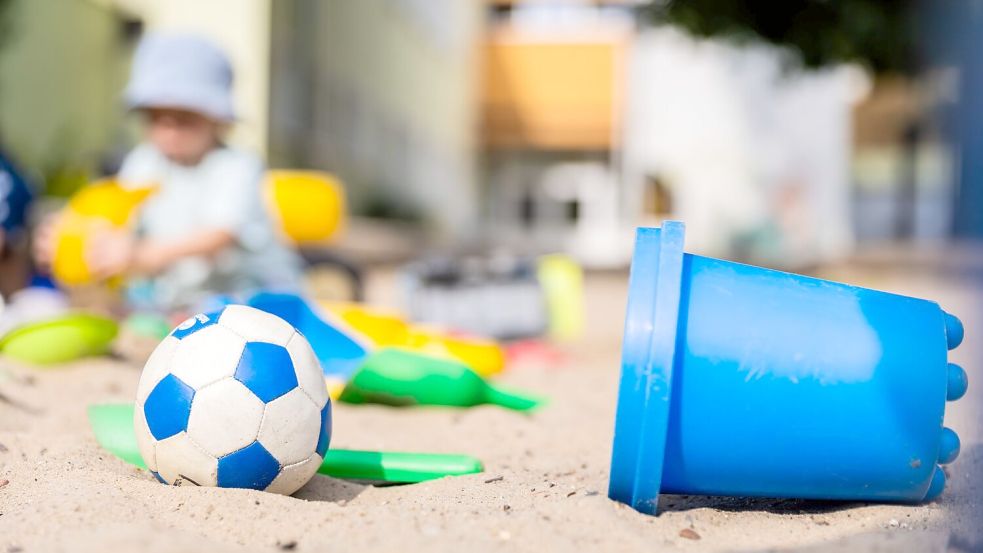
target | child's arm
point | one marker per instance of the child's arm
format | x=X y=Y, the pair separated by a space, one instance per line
x=152 y=256
x=112 y=253
x=228 y=198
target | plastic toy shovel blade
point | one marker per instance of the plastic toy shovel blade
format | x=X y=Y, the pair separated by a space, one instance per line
x=112 y=424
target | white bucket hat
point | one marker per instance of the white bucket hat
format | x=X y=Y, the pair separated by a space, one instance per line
x=181 y=71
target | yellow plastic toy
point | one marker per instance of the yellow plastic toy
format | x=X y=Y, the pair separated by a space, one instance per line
x=485 y=356
x=387 y=329
x=101 y=205
x=383 y=327
x=309 y=206
x=562 y=280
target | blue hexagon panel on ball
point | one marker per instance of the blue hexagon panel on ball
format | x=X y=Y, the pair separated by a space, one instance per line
x=233 y=399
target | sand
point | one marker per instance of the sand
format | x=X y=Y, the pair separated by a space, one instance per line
x=544 y=488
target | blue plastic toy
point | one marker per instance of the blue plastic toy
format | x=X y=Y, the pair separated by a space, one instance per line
x=339 y=352
x=743 y=381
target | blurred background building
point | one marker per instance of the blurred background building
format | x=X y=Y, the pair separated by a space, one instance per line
x=788 y=139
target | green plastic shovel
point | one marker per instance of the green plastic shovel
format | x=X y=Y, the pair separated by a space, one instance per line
x=112 y=424
x=395 y=376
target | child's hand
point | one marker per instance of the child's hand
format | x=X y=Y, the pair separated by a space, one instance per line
x=152 y=257
x=110 y=253
x=114 y=252
x=43 y=246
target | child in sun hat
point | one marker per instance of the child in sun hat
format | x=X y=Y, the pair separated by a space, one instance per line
x=205 y=230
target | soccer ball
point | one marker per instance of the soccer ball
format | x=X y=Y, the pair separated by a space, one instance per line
x=234 y=399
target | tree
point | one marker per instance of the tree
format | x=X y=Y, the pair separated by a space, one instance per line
x=877 y=33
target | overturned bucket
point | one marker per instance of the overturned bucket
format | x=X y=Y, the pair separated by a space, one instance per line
x=743 y=381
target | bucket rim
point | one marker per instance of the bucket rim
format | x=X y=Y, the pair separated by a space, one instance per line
x=648 y=356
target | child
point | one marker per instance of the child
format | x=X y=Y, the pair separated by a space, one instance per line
x=205 y=230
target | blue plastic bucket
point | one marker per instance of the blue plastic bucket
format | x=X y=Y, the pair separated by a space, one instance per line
x=743 y=381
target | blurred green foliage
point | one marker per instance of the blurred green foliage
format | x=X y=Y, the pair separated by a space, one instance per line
x=62 y=64
x=5 y=21
x=64 y=168
x=877 y=33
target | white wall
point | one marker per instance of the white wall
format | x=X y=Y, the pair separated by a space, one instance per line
x=755 y=152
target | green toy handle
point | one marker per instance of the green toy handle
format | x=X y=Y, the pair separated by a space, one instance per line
x=511 y=400
x=112 y=424
x=395 y=466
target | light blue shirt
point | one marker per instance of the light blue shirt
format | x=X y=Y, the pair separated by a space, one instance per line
x=222 y=192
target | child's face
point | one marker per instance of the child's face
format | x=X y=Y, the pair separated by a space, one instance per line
x=183 y=136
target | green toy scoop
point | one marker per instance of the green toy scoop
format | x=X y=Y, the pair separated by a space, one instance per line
x=395 y=376
x=112 y=424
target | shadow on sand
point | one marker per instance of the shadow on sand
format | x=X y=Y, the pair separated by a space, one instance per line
x=325 y=488
x=763 y=504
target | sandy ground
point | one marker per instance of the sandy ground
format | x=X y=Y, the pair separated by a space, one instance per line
x=544 y=488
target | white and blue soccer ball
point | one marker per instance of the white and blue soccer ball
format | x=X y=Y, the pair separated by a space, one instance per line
x=234 y=399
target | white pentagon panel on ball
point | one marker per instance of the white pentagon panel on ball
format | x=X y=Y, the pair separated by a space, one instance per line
x=145 y=440
x=291 y=427
x=293 y=477
x=225 y=417
x=157 y=367
x=207 y=356
x=180 y=461
x=310 y=377
x=255 y=325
